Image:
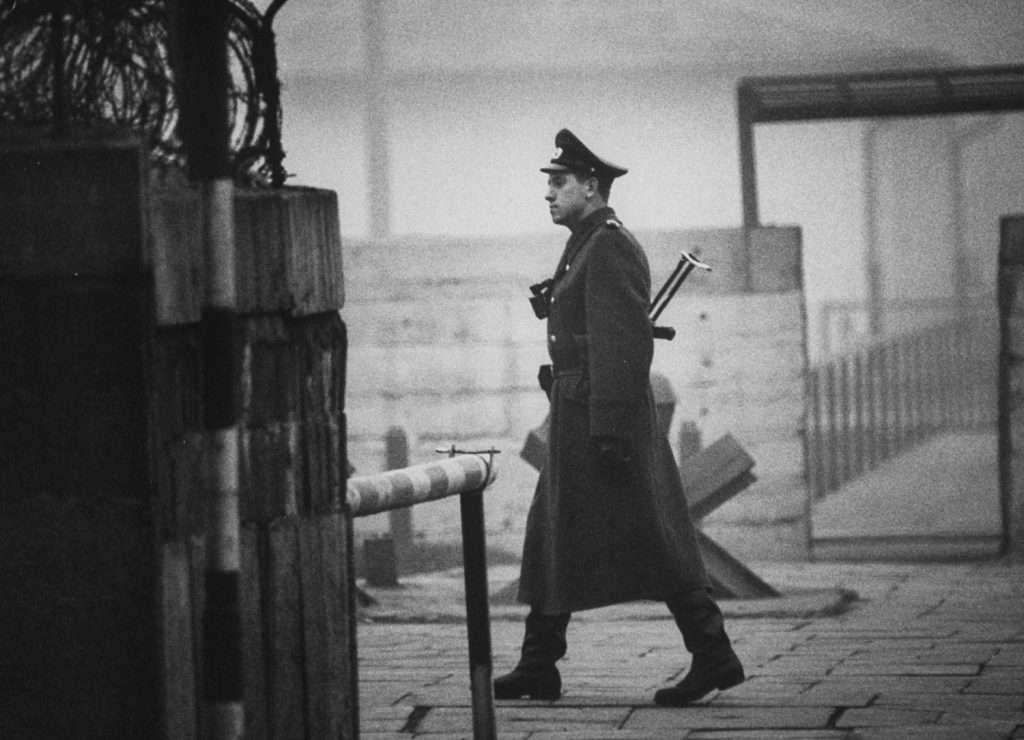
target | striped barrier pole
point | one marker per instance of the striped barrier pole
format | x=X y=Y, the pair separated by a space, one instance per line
x=465 y=474
x=395 y=489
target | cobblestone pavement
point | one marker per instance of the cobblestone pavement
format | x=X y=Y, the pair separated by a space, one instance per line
x=930 y=651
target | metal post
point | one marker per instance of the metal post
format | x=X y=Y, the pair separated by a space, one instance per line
x=478 y=619
x=396 y=446
x=376 y=75
x=203 y=37
x=745 y=103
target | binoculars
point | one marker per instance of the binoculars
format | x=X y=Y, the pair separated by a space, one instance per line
x=540 y=301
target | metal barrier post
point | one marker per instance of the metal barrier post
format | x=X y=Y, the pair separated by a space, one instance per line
x=468 y=475
x=478 y=618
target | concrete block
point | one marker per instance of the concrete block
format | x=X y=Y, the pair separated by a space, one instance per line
x=775 y=259
x=287 y=249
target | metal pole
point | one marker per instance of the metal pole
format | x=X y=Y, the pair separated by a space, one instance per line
x=478 y=616
x=478 y=619
x=396 y=445
x=204 y=92
x=745 y=103
x=378 y=155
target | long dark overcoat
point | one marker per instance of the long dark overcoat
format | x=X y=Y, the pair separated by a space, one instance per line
x=597 y=535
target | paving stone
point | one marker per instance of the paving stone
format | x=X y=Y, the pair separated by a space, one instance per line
x=906 y=669
x=527 y=719
x=707 y=718
x=839 y=695
x=930 y=732
x=788 y=734
x=954 y=653
x=983 y=705
x=369 y=726
x=590 y=734
x=886 y=717
x=996 y=684
x=904 y=684
x=971 y=722
x=1012 y=655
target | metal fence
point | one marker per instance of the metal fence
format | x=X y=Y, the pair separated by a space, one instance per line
x=869 y=404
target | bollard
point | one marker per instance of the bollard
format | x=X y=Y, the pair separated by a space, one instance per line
x=396 y=446
x=379 y=562
x=689 y=440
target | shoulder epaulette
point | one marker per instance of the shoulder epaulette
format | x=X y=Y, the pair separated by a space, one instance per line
x=615 y=224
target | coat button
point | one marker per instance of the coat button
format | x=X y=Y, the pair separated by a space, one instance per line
x=552 y=338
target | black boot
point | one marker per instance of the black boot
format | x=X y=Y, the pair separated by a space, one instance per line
x=714 y=664
x=536 y=675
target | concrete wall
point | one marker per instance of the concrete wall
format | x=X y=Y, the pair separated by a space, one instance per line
x=78 y=597
x=103 y=494
x=444 y=344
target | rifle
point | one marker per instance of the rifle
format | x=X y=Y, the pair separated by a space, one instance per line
x=667 y=292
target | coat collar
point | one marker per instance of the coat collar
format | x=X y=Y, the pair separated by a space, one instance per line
x=584 y=227
x=581 y=234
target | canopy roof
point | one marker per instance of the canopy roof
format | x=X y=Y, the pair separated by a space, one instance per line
x=878 y=94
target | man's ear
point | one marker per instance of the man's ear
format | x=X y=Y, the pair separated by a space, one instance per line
x=591 y=186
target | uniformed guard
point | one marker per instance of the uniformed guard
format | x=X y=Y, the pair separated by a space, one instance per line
x=609 y=522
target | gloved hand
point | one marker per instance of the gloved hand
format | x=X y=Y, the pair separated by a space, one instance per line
x=612 y=452
x=546 y=379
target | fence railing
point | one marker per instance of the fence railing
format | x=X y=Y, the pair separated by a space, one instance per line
x=871 y=403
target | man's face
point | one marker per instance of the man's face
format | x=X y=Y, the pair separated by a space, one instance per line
x=567 y=198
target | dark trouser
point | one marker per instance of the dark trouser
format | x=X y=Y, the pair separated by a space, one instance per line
x=699 y=620
x=544 y=643
x=696 y=615
x=714 y=664
x=536 y=675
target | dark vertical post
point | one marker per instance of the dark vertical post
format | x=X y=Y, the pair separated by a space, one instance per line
x=812 y=439
x=846 y=446
x=858 y=414
x=1010 y=376
x=396 y=444
x=871 y=453
x=376 y=71
x=833 y=436
x=745 y=103
x=898 y=385
x=203 y=92
x=925 y=368
x=873 y=263
x=918 y=407
x=885 y=396
x=57 y=79
x=478 y=618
